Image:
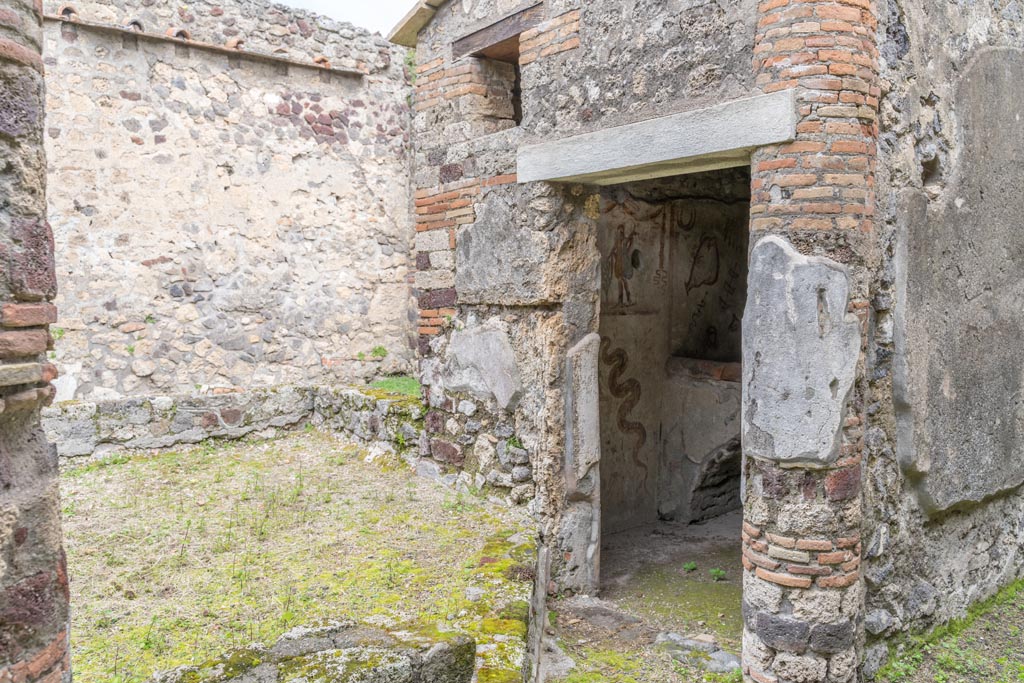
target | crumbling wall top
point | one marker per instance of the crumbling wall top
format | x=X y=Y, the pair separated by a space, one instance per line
x=249 y=25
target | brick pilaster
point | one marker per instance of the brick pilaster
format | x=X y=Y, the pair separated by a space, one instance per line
x=33 y=576
x=440 y=211
x=803 y=591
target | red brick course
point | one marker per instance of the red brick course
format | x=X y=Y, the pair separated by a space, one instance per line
x=560 y=34
x=49 y=664
x=826 y=52
x=831 y=563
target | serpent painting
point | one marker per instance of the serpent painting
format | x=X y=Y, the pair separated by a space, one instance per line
x=629 y=392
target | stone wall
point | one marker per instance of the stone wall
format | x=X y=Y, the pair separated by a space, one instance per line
x=33 y=570
x=97 y=429
x=509 y=275
x=264 y=27
x=945 y=432
x=882 y=414
x=226 y=220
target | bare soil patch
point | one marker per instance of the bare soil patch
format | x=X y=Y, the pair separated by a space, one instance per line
x=684 y=579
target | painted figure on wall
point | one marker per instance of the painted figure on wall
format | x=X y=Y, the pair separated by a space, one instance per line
x=620 y=264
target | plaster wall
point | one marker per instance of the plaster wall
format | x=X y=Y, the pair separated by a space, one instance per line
x=945 y=436
x=226 y=223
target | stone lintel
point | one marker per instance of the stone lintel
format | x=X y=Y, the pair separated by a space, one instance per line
x=408 y=30
x=707 y=139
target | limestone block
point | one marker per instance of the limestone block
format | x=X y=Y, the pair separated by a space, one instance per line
x=498 y=262
x=704 y=415
x=583 y=433
x=800 y=351
x=73 y=427
x=576 y=565
x=481 y=361
x=20 y=373
x=704 y=139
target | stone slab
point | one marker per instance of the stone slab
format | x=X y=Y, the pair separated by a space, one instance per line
x=20 y=373
x=959 y=364
x=583 y=411
x=705 y=139
x=481 y=361
x=800 y=352
x=498 y=263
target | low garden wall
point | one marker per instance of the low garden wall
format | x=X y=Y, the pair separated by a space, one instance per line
x=395 y=422
x=97 y=428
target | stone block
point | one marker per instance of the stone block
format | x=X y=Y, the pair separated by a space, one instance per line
x=496 y=263
x=28 y=315
x=33 y=276
x=800 y=668
x=832 y=638
x=800 y=351
x=783 y=633
x=713 y=137
x=20 y=373
x=23 y=343
x=583 y=432
x=481 y=361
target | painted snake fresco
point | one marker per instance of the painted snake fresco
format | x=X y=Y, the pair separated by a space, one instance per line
x=629 y=391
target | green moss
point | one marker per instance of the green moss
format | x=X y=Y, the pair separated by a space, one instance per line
x=489 y=675
x=225 y=545
x=518 y=610
x=505 y=627
x=225 y=668
x=337 y=666
x=606 y=666
x=665 y=593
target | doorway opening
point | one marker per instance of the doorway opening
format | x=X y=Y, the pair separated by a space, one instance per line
x=673 y=290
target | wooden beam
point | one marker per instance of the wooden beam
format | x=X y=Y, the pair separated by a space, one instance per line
x=501 y=37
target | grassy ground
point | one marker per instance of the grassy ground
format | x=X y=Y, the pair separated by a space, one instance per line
x=672 y=578
x=400 y=384
x=986 y=647
x=604 y=654
x=179 y=557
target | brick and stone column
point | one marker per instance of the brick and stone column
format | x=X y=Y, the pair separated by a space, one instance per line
x=33 y=578
x=812 y=222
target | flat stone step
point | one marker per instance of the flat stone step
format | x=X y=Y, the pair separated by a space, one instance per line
x=341 y=652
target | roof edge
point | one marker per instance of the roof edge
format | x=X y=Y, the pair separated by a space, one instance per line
x=408 y=29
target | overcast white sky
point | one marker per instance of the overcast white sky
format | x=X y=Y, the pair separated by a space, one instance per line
x=376 y=15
